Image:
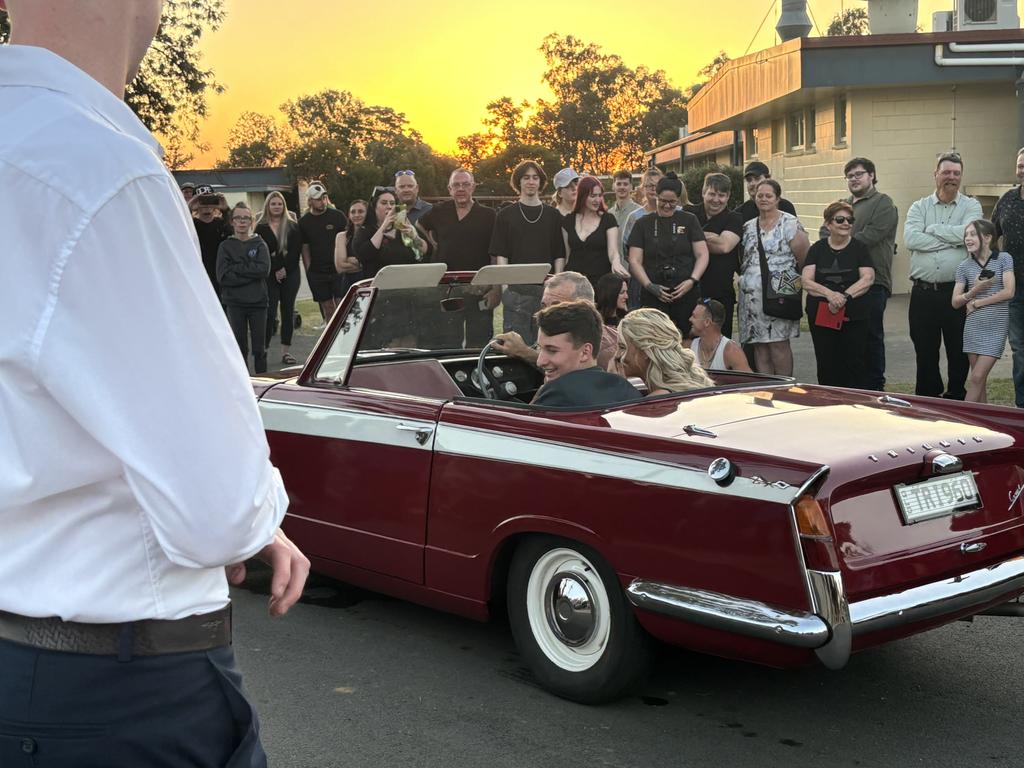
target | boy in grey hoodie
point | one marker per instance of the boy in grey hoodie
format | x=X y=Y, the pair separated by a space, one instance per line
x=243 y=263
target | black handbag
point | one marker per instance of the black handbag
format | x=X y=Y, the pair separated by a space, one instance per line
x=781 y=290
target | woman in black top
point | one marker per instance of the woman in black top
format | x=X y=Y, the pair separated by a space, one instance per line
x=388 y=238
x=346 y=262
x=668 y=255
x=591 y=234
x=280 y=231
x=836 y=274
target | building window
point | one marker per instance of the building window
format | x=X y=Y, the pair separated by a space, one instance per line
x=812 y=131
x=776 y=136
x=750 y=139
x=840 y=118
x=795 y=130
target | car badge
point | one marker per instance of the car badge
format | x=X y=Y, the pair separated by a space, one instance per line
x=1014 y=495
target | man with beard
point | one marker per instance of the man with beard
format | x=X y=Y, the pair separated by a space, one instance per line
x=320 y=226
x=934 y=233
x=133 y=463
x=722 y=230
x=461 y=231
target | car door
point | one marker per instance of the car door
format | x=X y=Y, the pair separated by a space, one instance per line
x=356 y=463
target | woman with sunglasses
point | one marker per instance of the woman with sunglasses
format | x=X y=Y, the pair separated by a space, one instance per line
x=837 y=273
x=668 y=255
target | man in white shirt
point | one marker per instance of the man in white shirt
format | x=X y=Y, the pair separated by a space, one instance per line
x=133 y=464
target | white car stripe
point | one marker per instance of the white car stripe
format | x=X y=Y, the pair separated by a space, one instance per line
x=342 y=424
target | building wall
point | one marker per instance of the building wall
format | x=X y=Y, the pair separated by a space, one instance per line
x=903 y=131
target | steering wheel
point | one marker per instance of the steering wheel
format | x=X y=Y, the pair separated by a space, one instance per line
x=483 y=379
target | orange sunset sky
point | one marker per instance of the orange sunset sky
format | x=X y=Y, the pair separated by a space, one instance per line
x=441 y=61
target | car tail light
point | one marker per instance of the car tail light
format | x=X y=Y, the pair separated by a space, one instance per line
x=815 y=537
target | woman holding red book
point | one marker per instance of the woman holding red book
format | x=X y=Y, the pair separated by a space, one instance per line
x=836 y=274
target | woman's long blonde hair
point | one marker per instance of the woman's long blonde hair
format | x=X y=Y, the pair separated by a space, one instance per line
x=671 y=365
x=288 y=219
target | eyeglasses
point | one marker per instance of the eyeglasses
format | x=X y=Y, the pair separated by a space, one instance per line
x=668 y=203
x=854 y=175
x=404 y=173
x=379 y=190
x=842 y=219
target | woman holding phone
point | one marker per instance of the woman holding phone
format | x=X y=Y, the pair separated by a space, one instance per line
x=984 y=286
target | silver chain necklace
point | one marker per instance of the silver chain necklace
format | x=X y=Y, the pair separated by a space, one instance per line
x=523 y=213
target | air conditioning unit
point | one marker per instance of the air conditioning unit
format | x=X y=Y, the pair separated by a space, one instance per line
x=942 y=21
x=986 y=14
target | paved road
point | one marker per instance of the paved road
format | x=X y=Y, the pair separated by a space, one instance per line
x=351 y=678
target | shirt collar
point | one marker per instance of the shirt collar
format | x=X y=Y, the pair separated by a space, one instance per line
x=34 y=67
x=935 y=199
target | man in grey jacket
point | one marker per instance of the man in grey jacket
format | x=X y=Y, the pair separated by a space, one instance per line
x=875 y=221
x=934 y=233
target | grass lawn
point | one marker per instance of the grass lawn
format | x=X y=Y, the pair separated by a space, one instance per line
x=1000 y=391
x=310 y=312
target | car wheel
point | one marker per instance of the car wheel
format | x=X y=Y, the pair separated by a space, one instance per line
x=572 y=622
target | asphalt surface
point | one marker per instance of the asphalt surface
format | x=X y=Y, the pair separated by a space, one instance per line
x=351 y=678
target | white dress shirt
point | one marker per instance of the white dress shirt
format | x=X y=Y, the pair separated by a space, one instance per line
x=133 y=464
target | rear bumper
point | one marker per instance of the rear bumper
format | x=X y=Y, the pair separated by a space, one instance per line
x=829 y=630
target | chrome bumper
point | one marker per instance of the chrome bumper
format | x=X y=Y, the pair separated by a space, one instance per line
x=830 y=628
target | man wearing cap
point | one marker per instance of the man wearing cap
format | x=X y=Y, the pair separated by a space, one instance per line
x=320 y=226
x=188 y=191
x=564 y=198
x=209 y=217
x=754 y=174
x=133 y=463
x=408 y=191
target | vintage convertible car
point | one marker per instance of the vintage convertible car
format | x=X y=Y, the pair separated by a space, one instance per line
x=759 y=519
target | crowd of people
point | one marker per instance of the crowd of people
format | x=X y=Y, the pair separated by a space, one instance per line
x=709 y=268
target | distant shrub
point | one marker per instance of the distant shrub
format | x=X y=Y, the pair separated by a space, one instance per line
x=693 y=180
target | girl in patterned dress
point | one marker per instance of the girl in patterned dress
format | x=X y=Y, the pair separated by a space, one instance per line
x=984 y=285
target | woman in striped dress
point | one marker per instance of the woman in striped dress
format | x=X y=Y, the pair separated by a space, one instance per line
x=984 y=285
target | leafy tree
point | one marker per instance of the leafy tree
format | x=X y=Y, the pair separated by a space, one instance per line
x=852 y=21
x=693 y=180
x=599 y=118
x=255 y=141
x=493 y=173
x=169 y=92
x=338 y=115
x=506 y=124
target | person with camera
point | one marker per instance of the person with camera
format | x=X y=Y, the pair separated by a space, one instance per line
x=774 y=246
x=668 y=254
x=837 y=275
x=984 y=284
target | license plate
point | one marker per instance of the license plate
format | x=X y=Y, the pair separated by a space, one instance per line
x=937 y=497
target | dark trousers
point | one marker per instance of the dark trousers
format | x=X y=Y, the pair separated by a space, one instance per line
x=934 y=322
x=1016 y=330
x=282 y=293
x=69 y=710
x=250 y=323
x=840 y=354
x=874 y=363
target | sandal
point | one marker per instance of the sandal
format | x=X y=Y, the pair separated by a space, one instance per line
x=287 y=359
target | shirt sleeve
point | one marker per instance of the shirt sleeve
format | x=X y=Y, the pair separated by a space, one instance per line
x=734 y=224
x=694 y=228
x=608 y=221
x=861 y=254
x=137 y=350
x=961 y=273
x=636 y=233
x=812 y=254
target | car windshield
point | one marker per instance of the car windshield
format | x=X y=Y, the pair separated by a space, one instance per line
x=422 y=320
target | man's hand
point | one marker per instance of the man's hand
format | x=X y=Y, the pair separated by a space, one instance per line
x=661 y=293
x=290 y=568
x=682 y=289
x=512 y=344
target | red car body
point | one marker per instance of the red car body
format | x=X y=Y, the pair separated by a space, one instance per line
x=400 y=483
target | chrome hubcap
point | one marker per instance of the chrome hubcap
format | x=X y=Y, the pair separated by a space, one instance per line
x=571 y=609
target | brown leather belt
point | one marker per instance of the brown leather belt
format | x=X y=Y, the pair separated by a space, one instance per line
x=150 y=637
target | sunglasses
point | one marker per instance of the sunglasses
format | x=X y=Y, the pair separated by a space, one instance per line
x=843 y=219
x=405 y=173
x=381 y=190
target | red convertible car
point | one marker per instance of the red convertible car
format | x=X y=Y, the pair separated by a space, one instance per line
x=758 y=519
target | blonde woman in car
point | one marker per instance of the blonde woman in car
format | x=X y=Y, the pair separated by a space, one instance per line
x=651 y=348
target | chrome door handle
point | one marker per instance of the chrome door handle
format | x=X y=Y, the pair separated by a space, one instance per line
x=422 y=433
x=976 y=546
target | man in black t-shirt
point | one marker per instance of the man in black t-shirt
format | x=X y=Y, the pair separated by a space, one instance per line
x=754 y=174
x=527 y=232
x=723 y=230
x=320 y=226
x=569 y=338
x=461 y=230
x=212 y=228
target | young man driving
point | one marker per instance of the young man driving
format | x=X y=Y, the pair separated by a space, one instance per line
x=568 y=340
